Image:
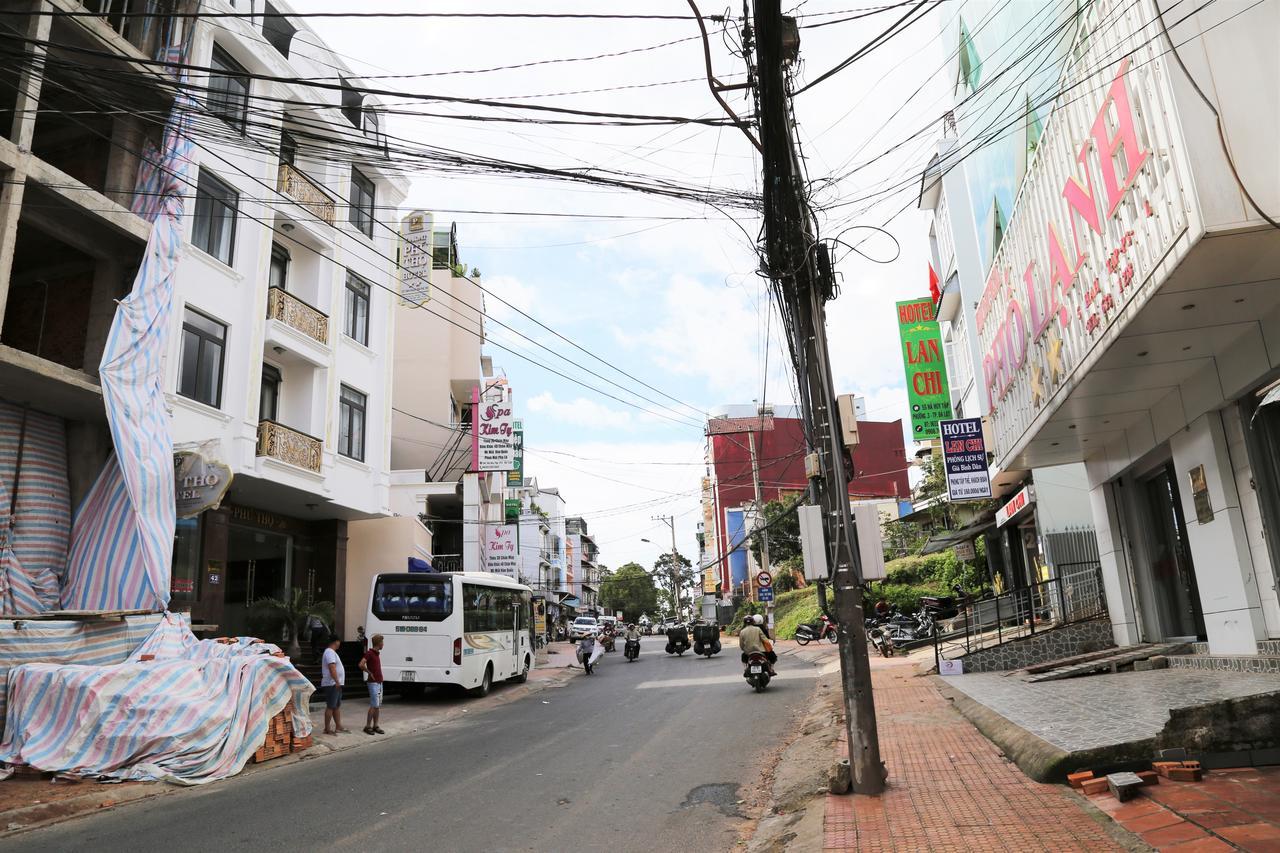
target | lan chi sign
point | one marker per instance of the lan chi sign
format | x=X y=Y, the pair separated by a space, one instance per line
x=1096 y=214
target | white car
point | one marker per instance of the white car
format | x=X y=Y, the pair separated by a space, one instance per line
x=583 y=626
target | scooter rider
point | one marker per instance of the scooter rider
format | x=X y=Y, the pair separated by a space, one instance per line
x=633 y=633
x=751 y=640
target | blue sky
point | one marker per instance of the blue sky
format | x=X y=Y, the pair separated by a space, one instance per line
x=675 y=303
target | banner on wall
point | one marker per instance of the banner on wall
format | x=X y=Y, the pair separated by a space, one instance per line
x=928 y=396
x=501 y=551
x=964 y=459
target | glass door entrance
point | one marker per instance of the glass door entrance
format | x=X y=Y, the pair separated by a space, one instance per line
x=1177 y=600
x=258 y=567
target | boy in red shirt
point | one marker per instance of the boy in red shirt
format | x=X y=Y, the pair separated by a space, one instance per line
x=371 y=665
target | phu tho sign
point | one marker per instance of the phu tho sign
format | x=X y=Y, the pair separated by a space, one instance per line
x=1100 y=211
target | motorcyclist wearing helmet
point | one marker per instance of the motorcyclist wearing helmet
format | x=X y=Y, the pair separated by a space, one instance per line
x=752 y=640
x=633 y=632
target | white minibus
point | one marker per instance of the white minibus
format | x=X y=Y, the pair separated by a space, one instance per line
x=464 y=628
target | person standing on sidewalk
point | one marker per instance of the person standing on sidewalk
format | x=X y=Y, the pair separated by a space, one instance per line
x=371 y=666
x=332 y=676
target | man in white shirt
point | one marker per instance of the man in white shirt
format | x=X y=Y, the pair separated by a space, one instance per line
x=332 y=676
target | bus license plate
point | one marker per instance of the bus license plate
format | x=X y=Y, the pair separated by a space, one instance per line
x=408 y=675
x=756 y=668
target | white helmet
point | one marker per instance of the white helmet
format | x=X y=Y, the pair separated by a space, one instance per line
x=758 y=619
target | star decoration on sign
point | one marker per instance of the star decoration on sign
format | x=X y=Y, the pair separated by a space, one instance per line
x=1037 y=385
x=1054 y=355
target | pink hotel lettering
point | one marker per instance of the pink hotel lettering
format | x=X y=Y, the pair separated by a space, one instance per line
x=1120 y=158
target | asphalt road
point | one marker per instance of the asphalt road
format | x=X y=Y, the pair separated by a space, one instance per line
x=644 y=756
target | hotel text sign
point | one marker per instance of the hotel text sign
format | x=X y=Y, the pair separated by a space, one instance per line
x=1098 y=212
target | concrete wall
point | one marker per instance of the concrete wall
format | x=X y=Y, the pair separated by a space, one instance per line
x=1054 y=644
x=378 y=545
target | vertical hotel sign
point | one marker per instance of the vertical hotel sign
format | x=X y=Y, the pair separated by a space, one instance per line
x=493 y=445
x=927 y=392
x=1101 y=219
x=515 y=477
x=415 y=258
x=964 y=456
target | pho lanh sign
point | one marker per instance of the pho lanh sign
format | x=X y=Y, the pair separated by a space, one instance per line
x=1095 y=227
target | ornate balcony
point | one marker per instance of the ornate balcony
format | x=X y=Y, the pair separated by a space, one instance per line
x=296 y=314
x=306 y=192
x=288 y=445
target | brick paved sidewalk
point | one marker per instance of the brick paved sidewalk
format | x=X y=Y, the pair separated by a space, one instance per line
x=949 y=788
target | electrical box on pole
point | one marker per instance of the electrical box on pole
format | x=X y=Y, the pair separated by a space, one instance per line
x=848 y=420
x=813 y=543
x=866 y=520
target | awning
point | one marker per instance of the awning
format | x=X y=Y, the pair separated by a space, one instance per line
x=945 y=539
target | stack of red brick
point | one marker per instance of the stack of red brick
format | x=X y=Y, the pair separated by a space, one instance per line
x=1176 y=771
x=281 y=740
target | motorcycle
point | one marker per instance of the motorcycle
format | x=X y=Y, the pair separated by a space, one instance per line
x=757 y=671
x=706 y=640
x=824 y=628
x=631 y=650
x=606 y=640
x=882 y=640
x=677 y=641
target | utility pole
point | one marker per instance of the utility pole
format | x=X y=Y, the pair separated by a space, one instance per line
x=800 y=270
x=761 y=521
x=670 y=521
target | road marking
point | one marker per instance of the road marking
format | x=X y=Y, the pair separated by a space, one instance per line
x=721 y=679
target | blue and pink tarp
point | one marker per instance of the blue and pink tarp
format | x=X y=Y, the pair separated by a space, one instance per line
x=177 y=709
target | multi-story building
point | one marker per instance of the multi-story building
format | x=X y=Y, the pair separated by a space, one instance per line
x=1127 y=318
x=584 y=561
x=744 y=445
x=969 y=193
x=279 y=364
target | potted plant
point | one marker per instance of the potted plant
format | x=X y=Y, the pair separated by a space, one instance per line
x=286 y=617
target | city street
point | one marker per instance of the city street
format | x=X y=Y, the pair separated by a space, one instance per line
x=648 y=756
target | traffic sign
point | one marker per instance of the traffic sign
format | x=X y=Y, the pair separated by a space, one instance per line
x=765 y=593
x=764 y=579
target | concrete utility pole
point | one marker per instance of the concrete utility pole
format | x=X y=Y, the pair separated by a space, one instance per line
x=670 y=521
x=800 y=270
x=761 y=523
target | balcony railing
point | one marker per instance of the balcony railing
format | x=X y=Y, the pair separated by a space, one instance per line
x=306 y=192
x=296 y=314
x=288 y=445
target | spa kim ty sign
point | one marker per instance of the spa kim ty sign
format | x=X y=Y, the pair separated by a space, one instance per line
x=1099 y=213
x=493 y=440
x=927 y=394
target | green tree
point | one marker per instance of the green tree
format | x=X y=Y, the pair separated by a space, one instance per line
x=665 y=578
x=784 y=532
x=629 y=588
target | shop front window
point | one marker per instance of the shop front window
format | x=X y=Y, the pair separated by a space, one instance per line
x=184 y=588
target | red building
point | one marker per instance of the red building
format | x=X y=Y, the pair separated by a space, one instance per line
x=879 y=463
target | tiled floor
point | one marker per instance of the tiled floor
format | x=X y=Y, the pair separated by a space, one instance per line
x=1230 y=809
x=949 y=788
x=1098 y=710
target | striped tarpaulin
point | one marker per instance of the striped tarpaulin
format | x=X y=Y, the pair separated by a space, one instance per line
x=66 y=641
x=195 y=713
x=122 y=541
x=33 y=551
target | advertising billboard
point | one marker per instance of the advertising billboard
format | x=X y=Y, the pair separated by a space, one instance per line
x=927 y=393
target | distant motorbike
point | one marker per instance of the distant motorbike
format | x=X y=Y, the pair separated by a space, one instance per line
x=677 y=641
x=606 y=640
x=757 y=671
x=882 y=640
x=706 y=640
x=824 y=628
x=631 y=650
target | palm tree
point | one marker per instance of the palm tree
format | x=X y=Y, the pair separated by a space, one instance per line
x=288 y=616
